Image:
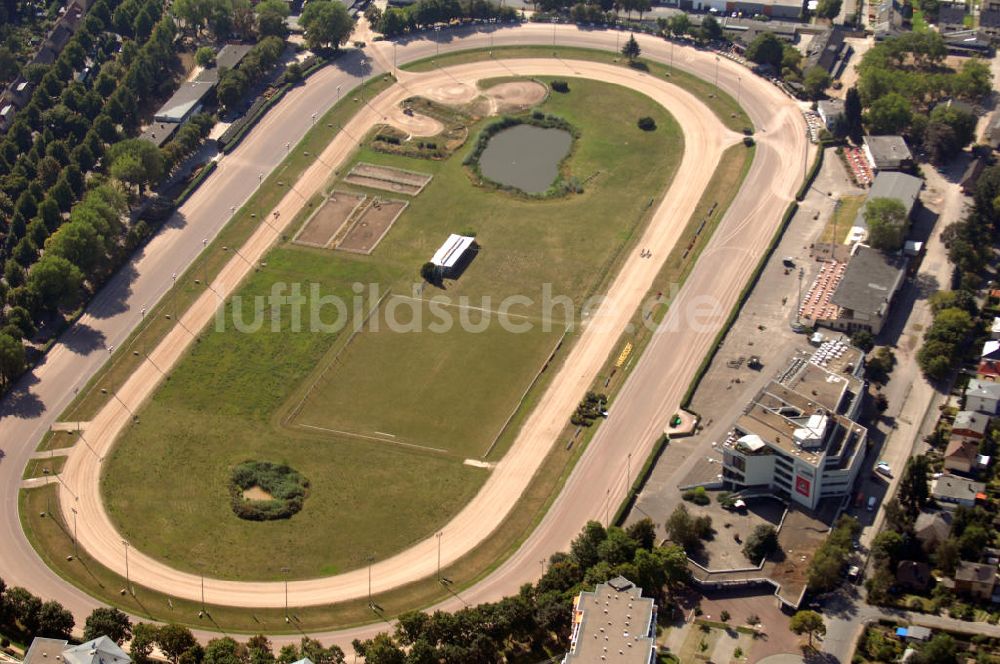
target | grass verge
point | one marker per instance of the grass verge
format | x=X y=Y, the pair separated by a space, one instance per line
x=37 y=467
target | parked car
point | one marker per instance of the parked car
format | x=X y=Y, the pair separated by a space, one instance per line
x=871 y=504
x=883 y=468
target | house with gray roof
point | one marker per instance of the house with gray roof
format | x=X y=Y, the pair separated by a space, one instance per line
x=613 y=623
x=830 y=111
x=887 y=153
x=897 y=186
x=865 y=293
x=229 y=57
x=184 y=103
x=983 y=396
x=970 y=425
x=952 y=490
x=101 y=650
x=932 y=528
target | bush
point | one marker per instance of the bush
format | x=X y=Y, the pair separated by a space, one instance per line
x=748 y=141
x=205 y=56
x=647 y=123
x=697 y=495
x=560 y=86
x=286 y=486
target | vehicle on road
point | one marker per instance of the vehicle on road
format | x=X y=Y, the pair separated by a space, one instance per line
x=883 y=469
x=871 y=504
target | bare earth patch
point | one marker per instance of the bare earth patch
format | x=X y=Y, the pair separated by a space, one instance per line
x=452 y=93
x=414 y=125
x=372 y=225
x=256 y=493
x=323 y=226
x=515 y=96
x=388 y=178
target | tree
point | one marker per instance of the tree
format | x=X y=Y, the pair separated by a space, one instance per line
x=631 y=49
x=863 y=339
x=326 y=24
x=679 y=24
x=12 y=359
x=887 y=223
x=54 y=621
x=144 y=636
x=175 y=640
x=231 y=87
x=259 y=650
x=643 y=532
x=815 y=82
x=430 y=273
x=939 y=650
x=617 y=547
x=205 y=56
x=913 y=491
x=947 y=556
x=890 y=114
x=271 y=15
x=828 y=8
x=762 y=542
x=225 y=650
x=55 y=281
x=21 y=606
x=136 y=162
x=888 y=545
x=767 y=49
x=109 y=622
x=585 y=549
x=808 y=622
x=9 y=67
x=711 y=29
x=688 y=531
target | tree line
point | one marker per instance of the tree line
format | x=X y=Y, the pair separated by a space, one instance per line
x=956 y=315
x=423 y=14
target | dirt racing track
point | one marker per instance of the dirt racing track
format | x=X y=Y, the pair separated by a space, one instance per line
x=739 y=242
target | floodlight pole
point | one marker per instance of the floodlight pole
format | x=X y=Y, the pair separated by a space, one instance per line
x=285 y=571
x=75 y=550
x=128 y=581
x=439 y=557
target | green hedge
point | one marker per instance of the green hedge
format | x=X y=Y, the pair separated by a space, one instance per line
x=811 y=176
x=641 y=479
x=286 y=486
x=744 y=295
x=207 y=170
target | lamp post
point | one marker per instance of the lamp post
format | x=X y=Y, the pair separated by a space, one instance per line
x=716 y=74
x=285 y=570
x=128 y=580
x=244 y=258
x=369 y=559
x=118 y=398
x=75 y=550
x=628 y=471
x=439 y=557
x=739 y=90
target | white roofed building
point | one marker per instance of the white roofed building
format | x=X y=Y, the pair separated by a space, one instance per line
x=454 y=255
x=101 y=650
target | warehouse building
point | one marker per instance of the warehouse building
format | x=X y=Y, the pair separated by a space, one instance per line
x=867 y=289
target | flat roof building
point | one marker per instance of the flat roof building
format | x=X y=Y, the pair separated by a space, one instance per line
x=452 y=256
x=951 y=490
x=615 y=623
x=229 y=57
x=866 y=291
x=159 y=133
x=897 y=186
x=887 y=153
x=185 y=102
x=101 y=650
x=797 y=439
x=830 y=111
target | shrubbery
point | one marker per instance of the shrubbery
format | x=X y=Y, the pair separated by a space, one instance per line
x=697 y=495
x=286 y=486
x=647 y=123
x=560 y=86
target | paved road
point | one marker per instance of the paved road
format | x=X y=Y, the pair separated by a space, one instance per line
x=655 y=382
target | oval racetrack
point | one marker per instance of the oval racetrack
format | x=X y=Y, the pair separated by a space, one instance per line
x=648 y=399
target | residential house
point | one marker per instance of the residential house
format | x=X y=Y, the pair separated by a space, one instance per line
x=995 y=328
x=983 y=396
x=961 y=455
x=932 y=528
x=952 y=490
x=913 y=576
x=830 y=111
x=970 y=425
x=975 y=580
x=989 y=359
x=101 y=650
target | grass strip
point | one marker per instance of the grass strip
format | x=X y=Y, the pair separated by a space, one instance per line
x=37 y=467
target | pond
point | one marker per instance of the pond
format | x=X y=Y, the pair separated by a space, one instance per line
x=526 y=157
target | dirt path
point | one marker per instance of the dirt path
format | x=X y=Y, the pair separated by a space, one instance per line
x=705 y=138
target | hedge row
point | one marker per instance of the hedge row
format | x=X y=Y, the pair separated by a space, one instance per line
x=206 y=170
x=640 y=480
x=741 y=300
x=238 y=130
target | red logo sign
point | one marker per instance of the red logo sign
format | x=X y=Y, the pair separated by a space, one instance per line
x=802 y=485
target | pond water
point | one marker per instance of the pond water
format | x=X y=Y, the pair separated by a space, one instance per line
x=526 y=157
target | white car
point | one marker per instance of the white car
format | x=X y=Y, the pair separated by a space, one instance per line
x=883 y=468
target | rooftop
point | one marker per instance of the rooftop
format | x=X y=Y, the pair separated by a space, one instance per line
x=830 y=107
x=870 y=281
x=101 y=650
x=964 y=450
x=887 y=150
x=989 y=18
x=451 y=251
x=955 y=488
x=613 y=623
x=937 y=524
x=159 y=133
x=228 y=57
x=189 y=95
x=951 y=14
x=970 y=420
x=984 y=389
x=897 y=186
x=975 y=572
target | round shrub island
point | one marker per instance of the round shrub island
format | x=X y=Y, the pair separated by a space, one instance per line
x=263 y=491
x=647 y=123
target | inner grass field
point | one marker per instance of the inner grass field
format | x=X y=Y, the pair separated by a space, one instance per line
x=165 y=483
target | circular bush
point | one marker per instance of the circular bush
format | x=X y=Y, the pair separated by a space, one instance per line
x=560 y=86
x=286 y=486
x=647 y=123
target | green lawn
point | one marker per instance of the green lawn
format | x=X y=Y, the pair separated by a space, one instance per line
x=166 y=481
x=37 y=467
x=842 y=220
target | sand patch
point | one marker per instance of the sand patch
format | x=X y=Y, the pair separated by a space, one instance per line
x=256 y=493
x=516 y=95
x=415 y=124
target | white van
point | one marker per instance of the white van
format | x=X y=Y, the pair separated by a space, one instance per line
x=871 y=504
